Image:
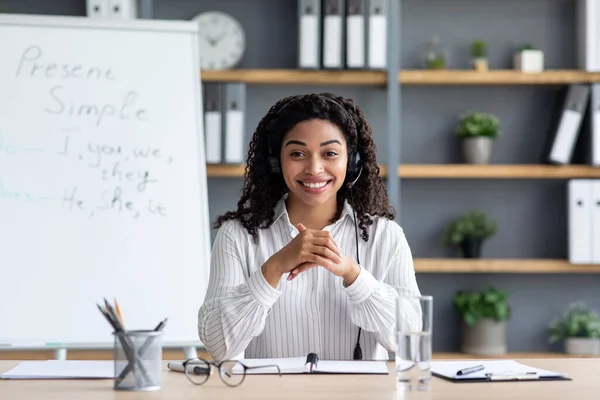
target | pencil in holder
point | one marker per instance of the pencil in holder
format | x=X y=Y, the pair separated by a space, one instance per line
x=138 y=360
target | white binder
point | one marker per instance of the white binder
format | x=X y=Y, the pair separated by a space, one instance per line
x=595 y=125
x=309 y=34
x=98 y=9
x=235 y=100
x=123 y=9
x=377 y=38
x=355 y=33
x=212 y=122
x=569 y=125
x=588 y=34
x=333 y=33
x=595 y=205
x=580 y=221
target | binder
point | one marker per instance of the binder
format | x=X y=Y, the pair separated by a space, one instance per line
x=587 y=35
x=579 y=212
x=97 y=9
x=235 y=104
x=309 y=34
x=595 y=206
x=377 y=34
x=355 y=33
x=595 y=125
x=333 y=33
x=213 y=106
x=566 y=134
x=123 y=9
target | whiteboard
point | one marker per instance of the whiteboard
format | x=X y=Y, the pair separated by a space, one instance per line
x=102 y=179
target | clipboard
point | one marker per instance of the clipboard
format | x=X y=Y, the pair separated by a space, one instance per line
x=493 y=371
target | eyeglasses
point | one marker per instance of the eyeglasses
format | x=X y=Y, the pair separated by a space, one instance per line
x=231 y=372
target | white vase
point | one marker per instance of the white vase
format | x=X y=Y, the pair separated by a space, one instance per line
x=582 y=346
x=529 y=61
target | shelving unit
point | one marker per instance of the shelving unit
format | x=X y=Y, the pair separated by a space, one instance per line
x=405 y=77
x=454 y=171
x=498 y=171
x=518 y=266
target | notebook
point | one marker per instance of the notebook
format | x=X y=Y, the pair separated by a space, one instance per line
x=493 y=370
x=59 y=369
x=297 y=365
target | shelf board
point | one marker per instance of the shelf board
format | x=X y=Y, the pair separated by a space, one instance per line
x=237 y=170
x=498 y=171
x=519 y=266
x=496 y=77
x=407 y=77
x=296 y=77
x=446 y=171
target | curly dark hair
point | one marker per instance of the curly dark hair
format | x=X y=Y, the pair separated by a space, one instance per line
x=262 y=189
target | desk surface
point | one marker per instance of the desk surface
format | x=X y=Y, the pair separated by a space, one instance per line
x=585 y=385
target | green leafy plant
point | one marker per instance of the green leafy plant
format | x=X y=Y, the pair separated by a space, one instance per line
x=578 y=321
x=489 y=303
x=436 y=62
x=473 y=225
x=478 y=124
x=478 y=49
x=527 y=46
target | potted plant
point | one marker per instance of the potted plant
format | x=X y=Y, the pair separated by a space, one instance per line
x=468 y=231
x=479 y=55
x=433 y=56
x=477 y=131
x=528 y=59
x=579 y=328
x=484 y=315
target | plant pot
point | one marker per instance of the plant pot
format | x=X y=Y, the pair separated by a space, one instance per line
x=582 y=346
x=480 y=64
x=477 y=150
x=471 y=248
x=529 y=61
x=486 y=338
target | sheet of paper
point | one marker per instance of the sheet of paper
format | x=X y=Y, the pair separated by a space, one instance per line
x=295 y=365
x=508 y=367
x=353 y=367
x=57 y=369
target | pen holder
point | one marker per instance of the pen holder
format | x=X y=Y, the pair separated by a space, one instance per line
x=138 y=360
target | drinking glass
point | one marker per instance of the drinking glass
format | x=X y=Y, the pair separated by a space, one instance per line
x=413 y=351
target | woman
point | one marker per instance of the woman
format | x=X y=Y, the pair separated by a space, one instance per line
x=289 y=275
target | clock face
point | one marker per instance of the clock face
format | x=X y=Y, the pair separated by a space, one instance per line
x=221 y=38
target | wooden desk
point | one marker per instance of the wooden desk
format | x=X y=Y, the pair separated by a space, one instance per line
x=585 y=385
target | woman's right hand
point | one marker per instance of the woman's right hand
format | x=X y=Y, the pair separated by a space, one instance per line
x=310 y=246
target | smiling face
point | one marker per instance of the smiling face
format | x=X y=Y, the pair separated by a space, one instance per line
x=314 y=157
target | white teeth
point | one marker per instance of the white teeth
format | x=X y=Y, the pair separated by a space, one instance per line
x=314 y=185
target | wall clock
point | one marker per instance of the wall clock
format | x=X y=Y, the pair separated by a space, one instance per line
x=222 y=40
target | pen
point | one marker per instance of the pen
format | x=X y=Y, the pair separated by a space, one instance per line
x=119 y=311
x=313 y=360
x=470 y=370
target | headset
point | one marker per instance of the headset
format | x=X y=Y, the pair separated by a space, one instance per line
x=353 y=172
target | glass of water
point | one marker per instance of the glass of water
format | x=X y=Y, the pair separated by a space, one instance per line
x=414 y=316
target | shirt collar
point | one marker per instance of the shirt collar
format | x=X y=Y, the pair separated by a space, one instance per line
x=281 y=210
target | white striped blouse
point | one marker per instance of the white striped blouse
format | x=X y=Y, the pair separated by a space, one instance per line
x=244 y=316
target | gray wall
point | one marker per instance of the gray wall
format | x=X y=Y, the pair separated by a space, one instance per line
x=531 y=214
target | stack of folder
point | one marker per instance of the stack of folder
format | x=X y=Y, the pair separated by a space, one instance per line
x=340 y=34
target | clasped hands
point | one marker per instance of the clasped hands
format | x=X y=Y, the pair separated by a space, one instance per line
x=310 y=248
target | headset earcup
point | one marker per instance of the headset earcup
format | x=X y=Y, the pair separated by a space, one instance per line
x=354 y=168
x=274 y=166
